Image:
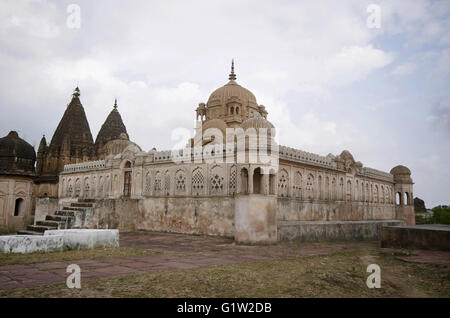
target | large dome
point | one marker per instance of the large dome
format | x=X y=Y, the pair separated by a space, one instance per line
x=231 y=103
x=230 y=90
x=16 y=155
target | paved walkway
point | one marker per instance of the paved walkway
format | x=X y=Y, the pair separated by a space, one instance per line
x=189 y=252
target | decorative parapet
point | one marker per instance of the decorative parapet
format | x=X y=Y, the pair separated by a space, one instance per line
x=162 y=156
x=85 y=166
x=377 y=174
x=297 y=155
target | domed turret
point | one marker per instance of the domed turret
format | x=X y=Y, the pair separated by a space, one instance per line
x=403 y=187
x=401 y=174
x=17 y=157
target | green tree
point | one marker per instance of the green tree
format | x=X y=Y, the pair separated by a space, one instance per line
x=441 y=214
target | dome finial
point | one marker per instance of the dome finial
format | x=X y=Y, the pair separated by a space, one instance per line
x=232 y=76
x=115 y=104
x=76 y=92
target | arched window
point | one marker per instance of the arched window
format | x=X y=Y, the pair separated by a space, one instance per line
x=18 y=207
x=297 y=187
x=237 y=110
x=349 y=191
x=362 y=195
x=398 y=198
x=127 y=179
x=167 y=183
x=180 y=182
x=283 y=183
x=216 y=181
x=367 y=193
x=257 y=181
x=333 y=189
x=198 y=182
x=87 y=188
x=319 y=181
x=232 y=181
x=77 y=188
x=406 y=202
x=310 y=187
x=148 y=183
x=232 y=110
x=157 y=186
x=244 y=181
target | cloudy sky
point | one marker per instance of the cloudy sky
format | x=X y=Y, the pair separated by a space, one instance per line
x=328 y=81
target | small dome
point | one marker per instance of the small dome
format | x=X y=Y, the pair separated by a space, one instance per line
x=401 y=174
x=16 y=155
x=257 y=121
x=400 y=170
x=117 y=146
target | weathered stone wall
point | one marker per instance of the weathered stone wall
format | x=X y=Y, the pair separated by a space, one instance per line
x=429 y=236
x=291 y=209
x=44 y=207
x=123 y=214
x=195 y=215
x=329 y=231
x=255 y=219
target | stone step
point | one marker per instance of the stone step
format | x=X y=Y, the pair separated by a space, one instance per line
x=81 y=205
x=27 y=232
x=57 y=224
x=67 y=208
x=58 y=218
x=40 y=228
x=64 y=213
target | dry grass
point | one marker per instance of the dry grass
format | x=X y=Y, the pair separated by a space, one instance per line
x=341 y=274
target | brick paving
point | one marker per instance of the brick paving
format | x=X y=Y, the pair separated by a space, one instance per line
x=188 y=251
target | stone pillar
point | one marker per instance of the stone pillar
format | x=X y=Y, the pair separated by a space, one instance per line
x=251 y=171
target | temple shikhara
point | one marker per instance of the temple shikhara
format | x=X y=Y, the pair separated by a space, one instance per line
x=76 y=182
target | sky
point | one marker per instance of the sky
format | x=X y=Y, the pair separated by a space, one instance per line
x=331 y=74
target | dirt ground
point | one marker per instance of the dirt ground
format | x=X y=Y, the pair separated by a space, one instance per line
x=151 y=264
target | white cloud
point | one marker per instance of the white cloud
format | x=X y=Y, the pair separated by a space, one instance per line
x=404 y=69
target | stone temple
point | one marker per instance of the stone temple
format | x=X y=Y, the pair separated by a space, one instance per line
x=113 y=183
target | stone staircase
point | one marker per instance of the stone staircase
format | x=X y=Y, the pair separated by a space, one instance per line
x=60 y=219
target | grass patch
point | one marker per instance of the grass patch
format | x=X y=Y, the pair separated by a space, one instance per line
x=98 y=253
x=341 y=274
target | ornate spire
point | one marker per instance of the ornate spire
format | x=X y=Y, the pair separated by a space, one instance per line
x=115 y=104
x=232 y=76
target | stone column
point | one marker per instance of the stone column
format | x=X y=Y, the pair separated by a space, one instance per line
x=250 y=179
